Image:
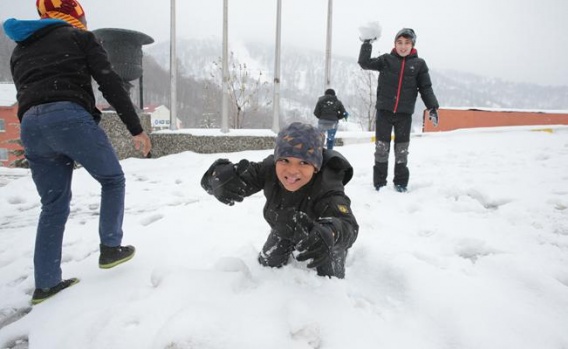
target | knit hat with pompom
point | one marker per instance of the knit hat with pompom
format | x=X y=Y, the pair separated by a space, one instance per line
x=69 y=11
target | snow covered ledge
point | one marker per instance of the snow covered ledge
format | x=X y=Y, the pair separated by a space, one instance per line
x=172 y=142
x=210 y=141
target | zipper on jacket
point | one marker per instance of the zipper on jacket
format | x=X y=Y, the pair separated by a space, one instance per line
x=399 y=83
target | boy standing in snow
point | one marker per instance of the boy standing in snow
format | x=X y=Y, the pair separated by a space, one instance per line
x=52 y=66
x=402 y=75
x=306 y=206
x=329 y=110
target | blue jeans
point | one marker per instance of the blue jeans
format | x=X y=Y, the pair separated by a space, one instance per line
x=331 y=128
x=55 y=135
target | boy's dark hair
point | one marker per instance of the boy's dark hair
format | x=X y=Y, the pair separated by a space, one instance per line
x=330 y=92
x=406 y=33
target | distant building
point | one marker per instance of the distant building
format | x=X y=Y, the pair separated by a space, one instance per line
x=160 y=117
x=9 y=125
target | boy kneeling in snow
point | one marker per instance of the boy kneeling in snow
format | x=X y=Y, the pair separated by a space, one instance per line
x=306 y=206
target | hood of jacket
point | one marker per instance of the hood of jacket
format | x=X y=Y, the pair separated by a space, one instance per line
x=22 y=30
x=336 y=161
x=327 y=98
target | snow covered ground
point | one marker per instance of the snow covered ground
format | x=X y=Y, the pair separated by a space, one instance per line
x=474 y=256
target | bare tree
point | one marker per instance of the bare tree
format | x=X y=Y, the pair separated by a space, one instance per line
x=366 y=90
x=211 y=117
x=246 y=92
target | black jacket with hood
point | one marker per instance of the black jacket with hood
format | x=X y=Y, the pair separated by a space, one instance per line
x=330 y=108
x=53 y=62
x=323 y=196
x=400 y=80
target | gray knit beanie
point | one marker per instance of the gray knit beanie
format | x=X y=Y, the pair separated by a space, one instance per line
x=407 y=33
x=302 y=141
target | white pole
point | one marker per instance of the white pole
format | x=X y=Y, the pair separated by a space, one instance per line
x=173 y=67
x=328 y=45
x=276 y=96
x=225 y=87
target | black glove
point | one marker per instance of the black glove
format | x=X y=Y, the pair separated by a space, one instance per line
x=368 y=41
x=315 y=243
x=434 y=117
x=222 y=180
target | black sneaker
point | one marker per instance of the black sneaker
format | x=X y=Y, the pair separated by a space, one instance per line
x=113 y=256
x=400 y=188
x=41 y=294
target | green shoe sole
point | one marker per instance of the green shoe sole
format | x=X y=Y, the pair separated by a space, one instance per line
x=115 y=263
x=40 y=294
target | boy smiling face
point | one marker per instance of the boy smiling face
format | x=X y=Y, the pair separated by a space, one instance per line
x=403 y=46
x=293 y=173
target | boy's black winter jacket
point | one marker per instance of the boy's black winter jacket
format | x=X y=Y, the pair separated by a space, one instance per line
x=323 y=196
x=330 y=108
x=56 y=63
x=400 y=80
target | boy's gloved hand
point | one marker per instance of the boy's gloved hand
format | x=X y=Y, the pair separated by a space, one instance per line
x=434 y=117
x=345 y=116
x=316 y=243
x=224 y=181
x=368 y=41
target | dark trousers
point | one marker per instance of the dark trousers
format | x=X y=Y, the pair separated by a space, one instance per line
x=277 y=251
x=55 y=135
x=386 y=122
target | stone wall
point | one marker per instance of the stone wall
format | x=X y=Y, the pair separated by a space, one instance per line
x=173 y=143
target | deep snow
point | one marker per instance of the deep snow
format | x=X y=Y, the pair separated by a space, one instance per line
x=475 y=255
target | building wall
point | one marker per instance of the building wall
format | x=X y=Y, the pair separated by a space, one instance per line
x=10 y=134
x=453 y=119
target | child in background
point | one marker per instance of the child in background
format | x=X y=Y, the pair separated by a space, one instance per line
x=402 y=75
x=329 y=110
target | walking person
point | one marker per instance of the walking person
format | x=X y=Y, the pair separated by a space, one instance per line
x=402 y=74
x=52 y=67
x=329 y=110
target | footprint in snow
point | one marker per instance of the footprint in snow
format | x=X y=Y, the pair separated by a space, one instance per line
x=11 y=315
x=151 y=219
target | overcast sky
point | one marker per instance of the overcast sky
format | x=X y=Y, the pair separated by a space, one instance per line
x=517 y=40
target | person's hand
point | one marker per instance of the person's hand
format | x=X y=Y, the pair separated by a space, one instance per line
x=368 y=41
x=434 y=117
x=142 y=143
x=345 y=116
x=225 y=183
x=316 y=243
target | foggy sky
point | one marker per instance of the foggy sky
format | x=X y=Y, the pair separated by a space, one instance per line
x=516 y=40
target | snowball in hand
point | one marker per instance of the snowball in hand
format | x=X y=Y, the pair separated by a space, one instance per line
x=370 y=31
